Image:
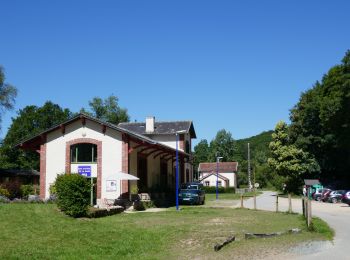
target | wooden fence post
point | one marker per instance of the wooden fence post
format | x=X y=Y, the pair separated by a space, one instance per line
x=290 y=202
x=276 y=202
x=309 y=215
x=303 y=205
x=254 y=200
x=242 y=201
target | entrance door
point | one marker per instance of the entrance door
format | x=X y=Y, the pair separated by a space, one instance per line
x=142 y=173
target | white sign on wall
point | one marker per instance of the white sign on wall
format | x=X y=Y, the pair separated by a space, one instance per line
x=111 y=185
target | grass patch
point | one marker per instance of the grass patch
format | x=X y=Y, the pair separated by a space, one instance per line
x=39 y=231
x=321 y=227
x=230 y=196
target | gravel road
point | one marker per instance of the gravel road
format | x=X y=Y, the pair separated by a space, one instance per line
x=336 y=215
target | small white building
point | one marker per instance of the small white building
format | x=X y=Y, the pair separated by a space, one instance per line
x=100 y=150
x=227 y=174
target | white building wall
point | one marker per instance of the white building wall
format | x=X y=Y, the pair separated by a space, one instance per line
x=111 y=153
x=212 y=179
x=169 y=140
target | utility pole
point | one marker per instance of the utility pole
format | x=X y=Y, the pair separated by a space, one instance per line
x=249 y=173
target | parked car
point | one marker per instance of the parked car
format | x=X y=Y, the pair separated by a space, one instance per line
x=317 y=194
x=325 y=194
x=336 y=196
x=346 y=198
x=192 y=193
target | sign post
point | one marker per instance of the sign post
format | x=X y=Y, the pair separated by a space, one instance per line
x=85 y=170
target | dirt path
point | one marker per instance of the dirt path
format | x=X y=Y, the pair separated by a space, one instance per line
x=336 y=215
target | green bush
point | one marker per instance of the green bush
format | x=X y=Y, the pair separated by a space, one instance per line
x=73 y=194
x=27 y=190
x=4 y=192
x=212 y=189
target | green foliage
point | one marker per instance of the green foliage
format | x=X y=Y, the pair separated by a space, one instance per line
x=201 y=154
x=212 y=189
x=73 y=191
x=107 y=110
x=237 y=151
x=27 y=190
x=143 y=205
x=288 y=161
x=4 y=192
x=321 y=123
x=30 y=121
x=8 y=94
x=222 y=145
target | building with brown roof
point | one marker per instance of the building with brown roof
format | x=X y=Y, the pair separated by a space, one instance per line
x=225 y=173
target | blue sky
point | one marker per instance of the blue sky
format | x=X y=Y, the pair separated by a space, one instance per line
x=237 y=65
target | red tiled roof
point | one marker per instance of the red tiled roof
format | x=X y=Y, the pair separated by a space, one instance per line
x=224 y=167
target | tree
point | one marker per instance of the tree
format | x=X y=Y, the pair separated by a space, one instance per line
x=107 y=110
x=201 y=153
x=321 y=123
x=30 y=121
x=289 y=161
x=222 y=145
x=8 y=94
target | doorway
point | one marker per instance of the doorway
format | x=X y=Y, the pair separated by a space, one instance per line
x=142 y=173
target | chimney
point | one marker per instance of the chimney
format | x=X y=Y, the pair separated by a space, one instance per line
x=150 y=124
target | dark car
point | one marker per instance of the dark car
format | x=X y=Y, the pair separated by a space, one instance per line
x=336 y=196
x=346 y=198
x=192 y=193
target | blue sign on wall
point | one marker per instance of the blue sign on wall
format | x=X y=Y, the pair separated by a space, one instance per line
x=84 y=170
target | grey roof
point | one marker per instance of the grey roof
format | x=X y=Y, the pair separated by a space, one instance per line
x=161 y=128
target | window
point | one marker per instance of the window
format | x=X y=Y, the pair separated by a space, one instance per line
x=219 y=183
x=187 y=147
x=207 y=183
x=83 y=153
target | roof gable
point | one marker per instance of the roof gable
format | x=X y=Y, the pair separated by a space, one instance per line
x=212 y=173
x=33 y=142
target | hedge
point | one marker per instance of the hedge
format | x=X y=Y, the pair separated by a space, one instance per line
x=73 y=194
x=212 y=189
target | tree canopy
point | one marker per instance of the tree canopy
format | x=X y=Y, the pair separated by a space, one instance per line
x=30 y=121
x=8 y=94
x=289 y=161
x=107 y=110
x=320 y=122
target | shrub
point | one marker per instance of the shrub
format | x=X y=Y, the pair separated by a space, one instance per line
x=14 y=188
x=27 y=190
x=73 y=194
x=212 y=189
x=4 y=192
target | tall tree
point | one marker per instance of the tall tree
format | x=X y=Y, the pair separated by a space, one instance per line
x=289 y=161
x=107 y=110
x=201 y=153
x=321 y=122
x=30 y=121
x=8 y=94
x=223 y=145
